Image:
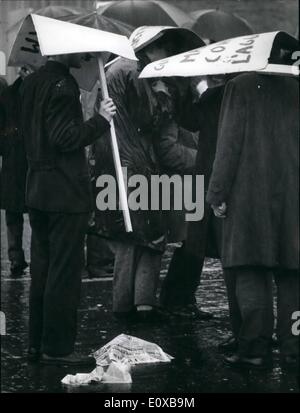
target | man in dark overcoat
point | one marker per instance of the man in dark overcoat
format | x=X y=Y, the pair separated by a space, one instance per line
x=13 y=174
x=254 y=186
x=59 y=199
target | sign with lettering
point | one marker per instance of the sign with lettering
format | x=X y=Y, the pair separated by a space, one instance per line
x=26 y=49
x=144 y=35
x=240 y=54
x=42 y=36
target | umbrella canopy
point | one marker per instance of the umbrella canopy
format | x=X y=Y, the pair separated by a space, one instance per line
x=97 y=21
x=241 y=54
x=55 y=12
x=145 y=13
x=217 y=25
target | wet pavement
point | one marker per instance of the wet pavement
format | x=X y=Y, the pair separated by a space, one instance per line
x=197 y=366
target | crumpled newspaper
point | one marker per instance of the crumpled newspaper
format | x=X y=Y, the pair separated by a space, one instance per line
x=84 y=378
x=116 y=373
x=132 y=350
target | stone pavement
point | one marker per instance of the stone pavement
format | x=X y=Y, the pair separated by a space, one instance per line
x=197 y=366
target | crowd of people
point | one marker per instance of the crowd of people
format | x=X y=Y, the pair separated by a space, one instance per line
x=240 y=132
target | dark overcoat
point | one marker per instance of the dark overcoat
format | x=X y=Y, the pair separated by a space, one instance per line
x=136 y=112
x=55 y=135
x=176 y=150
x=203 y=117
x=256 y=171
x=12 y=150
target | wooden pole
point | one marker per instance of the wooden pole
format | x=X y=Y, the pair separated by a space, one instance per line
x=116 y=155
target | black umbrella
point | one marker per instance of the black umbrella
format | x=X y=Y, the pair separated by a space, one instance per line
x=97 y=21
x=145 y=13
x=217 y=25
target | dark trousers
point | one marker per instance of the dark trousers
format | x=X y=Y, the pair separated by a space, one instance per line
x=136 y=276
x=182 y=280
x=99 y=256
x=251 y=309
x=15 y=223
x=288 y=301
x=252 y=314
x=184 y=273
x=56 y=263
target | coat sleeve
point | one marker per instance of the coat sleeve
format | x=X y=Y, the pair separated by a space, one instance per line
x=173 y=155
x=229 y=145
x=66 y=128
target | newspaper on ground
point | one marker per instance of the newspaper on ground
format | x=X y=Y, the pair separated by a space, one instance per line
x=84 y=378
x=133 y=350
x=116 y=372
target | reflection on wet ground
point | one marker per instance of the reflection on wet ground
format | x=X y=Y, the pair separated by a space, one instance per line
x=197 y=367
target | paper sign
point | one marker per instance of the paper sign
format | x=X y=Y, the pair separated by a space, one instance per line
x=245 y=53
x=144 y=35
x=42 y=36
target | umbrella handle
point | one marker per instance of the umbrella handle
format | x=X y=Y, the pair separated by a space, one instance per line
x=116 y=154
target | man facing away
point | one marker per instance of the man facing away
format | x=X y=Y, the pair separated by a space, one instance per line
x=58 y=196
x=254 y=186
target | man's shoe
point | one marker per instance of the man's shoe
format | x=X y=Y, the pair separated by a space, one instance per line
x=256 y=363
x=126 y=316
x=17 y=270
x=33 y=355
x=229 y=345
x=191 y=311
x=290 y=362
x=150 y=316
x=72 y=359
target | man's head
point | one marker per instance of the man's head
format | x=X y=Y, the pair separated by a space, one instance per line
x=159 y=49
x=73 y=60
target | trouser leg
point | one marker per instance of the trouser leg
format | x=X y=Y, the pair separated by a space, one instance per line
x=255 y=299
x=100 y=258
x=124 y=273
x=182 y=279
x=14 y=223
x=147 y=276
x=66 y=233
x=287 y=282
x=234 y=309
x=39 y=263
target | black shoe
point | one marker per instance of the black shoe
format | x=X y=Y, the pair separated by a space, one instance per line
x=129 y=316
x=150 y=316
x=33 y=355
x=17 y=270
x=255 y=363
x=228 y=345
x=72 y=359
x=191 y=311
x=290 y=362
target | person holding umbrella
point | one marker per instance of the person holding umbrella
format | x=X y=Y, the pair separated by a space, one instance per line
x=59 y=199
x=137 y=255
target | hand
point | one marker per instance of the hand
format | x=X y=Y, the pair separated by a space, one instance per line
x=107 y=109
x=220 y=210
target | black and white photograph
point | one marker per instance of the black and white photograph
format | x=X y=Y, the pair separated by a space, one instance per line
x=149 y=196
